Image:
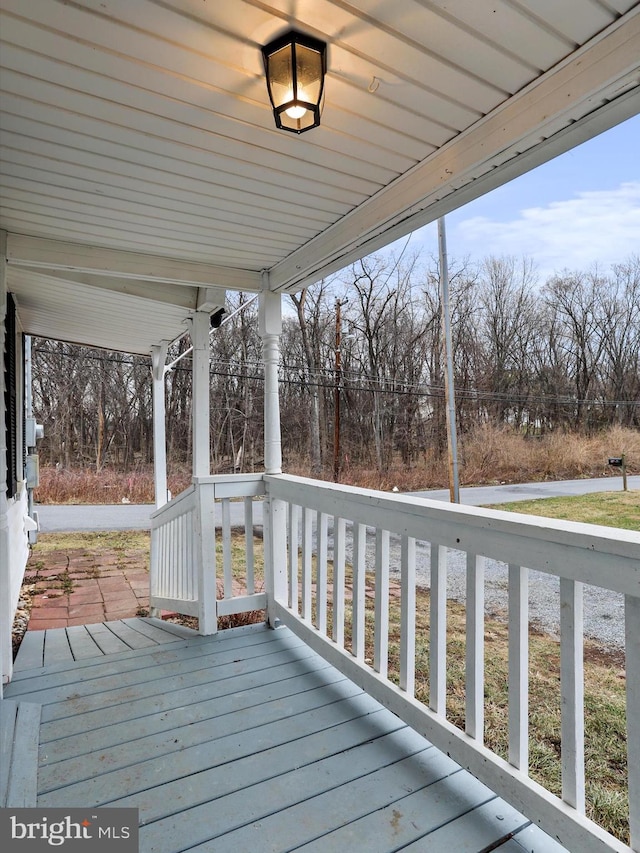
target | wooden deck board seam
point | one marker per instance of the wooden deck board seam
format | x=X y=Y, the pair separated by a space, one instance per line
x=306 y=803
x=20 y=722
x=156 y=710
x=86 y=671
x=341 y=714
x=275 y=769
x=52 y=697
x=209 y=704
x=201 y=646
x=81 y=762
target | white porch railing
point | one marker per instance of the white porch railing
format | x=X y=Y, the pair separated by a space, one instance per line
x=306 y=522
x=184 y=533
x=296 y=541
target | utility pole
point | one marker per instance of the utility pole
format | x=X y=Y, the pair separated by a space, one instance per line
x=452 y=443
x=336 y=396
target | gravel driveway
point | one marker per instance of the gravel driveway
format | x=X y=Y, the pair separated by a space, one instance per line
x=603 y=610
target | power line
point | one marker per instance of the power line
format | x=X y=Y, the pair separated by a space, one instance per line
x=376 y=385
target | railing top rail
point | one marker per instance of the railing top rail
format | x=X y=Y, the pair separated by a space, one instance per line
x=232 y=485
x=607 y=557
x=217 y=479
x=174 y=504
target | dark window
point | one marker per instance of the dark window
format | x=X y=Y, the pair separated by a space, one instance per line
x=10 y=396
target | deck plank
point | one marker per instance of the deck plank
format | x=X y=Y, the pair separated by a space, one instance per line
x=295 y=791
x=106 y=640
x=153 y=714
x=214 y=753
x=20 y=753
x=178 y=798
x=134 y=639
x=152 y=631
x=8 y=714
x=532 y=840
x=91 y=693
x=82 y=644
x=481 y=827
x=141 y=764
x=122 y=657
x=31 y=652
x=195 y=721
x=249 y=740
x=57 y=648
x=134 y=669
x=442 y=796
x=175 y=628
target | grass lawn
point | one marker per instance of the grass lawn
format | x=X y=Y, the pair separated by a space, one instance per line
x=613 y=509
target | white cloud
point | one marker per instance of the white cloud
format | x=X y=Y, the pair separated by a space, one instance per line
x=596 y=227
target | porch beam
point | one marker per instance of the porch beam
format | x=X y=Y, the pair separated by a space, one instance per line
x=568 y=102
x=58 y=255
x=157 y=291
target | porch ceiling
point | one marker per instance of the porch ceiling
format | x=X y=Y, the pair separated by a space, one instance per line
x=138 y=144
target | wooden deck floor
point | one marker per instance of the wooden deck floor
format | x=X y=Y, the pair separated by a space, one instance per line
x=241 y=742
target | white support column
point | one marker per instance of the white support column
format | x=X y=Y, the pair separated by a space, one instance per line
x=200 y=340
x=275 y=511
x=158 y=359
x=6 y=619
x=270 y=331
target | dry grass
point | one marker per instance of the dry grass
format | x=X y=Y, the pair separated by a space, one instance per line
x=86 y=486
x=487 y=456
x=490 y=456
x=508 y=456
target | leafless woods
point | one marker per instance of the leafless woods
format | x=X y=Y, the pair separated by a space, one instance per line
x=362 y=369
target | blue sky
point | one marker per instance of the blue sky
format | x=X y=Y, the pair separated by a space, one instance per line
x=579 y=210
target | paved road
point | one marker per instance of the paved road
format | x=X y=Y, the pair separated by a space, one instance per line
x=483 y=495
x=137 y=516
x=64 y=518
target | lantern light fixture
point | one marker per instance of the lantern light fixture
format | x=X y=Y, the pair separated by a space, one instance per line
x=295 y=66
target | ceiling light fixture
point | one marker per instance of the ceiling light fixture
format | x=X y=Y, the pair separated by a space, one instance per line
x=295 y=65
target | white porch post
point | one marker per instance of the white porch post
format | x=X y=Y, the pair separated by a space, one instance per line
x=270 y=331
x=275 y=515
x=200 y=391
x=158 y=358
x=6 y=617
x=205 y=525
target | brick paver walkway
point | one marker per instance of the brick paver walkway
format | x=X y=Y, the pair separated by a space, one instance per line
x=73 y=587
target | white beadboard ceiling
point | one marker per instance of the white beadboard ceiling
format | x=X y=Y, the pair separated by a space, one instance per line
x=142 y=173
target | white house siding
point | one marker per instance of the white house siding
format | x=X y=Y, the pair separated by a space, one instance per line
x=14 y=548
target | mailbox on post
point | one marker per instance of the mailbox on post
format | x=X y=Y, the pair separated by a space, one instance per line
x=619 y=462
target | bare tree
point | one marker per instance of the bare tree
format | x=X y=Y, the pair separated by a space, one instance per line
x=508 y=307
x=311 y=324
